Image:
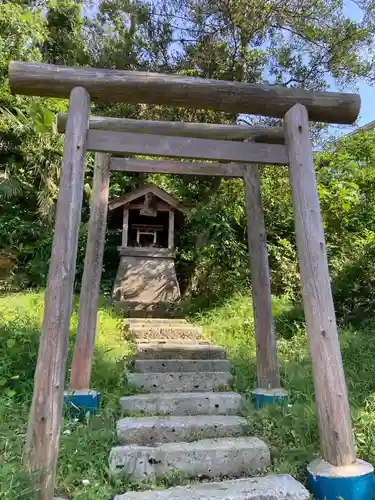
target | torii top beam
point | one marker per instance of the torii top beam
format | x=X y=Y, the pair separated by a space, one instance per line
x=110 y=85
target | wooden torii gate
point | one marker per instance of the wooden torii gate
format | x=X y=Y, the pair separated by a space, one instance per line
x=279 y=146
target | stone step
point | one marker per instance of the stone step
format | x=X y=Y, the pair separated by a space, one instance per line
x=165 y=332
x=211 y=458
x=157 y=430
x=183 y=403
x=179 y=351
x=283 y=487
x=180 y=382
x=154 y=322
x=181 y=365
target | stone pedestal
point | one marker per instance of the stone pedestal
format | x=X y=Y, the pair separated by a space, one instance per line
x=146 y=276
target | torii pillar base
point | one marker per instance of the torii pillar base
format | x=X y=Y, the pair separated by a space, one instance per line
x=81 y=402
x=349 y=482
x=265 y=397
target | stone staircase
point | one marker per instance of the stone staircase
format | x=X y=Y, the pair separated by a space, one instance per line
x=185 y=421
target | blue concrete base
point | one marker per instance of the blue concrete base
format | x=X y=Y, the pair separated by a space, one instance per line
x=265 y=397
x=82 y=402
x=349 y=482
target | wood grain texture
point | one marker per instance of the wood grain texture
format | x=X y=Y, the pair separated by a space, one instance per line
x=164 y=253
x=156 y=88
x=331 y=398
x=43 y=436
x=268 y=370
x=159 y=205
x=230 y=170
x=141 y=191
x=171 y=230
x=125 y=226
x=230 y=132
x=92 y=272
x=186 y=147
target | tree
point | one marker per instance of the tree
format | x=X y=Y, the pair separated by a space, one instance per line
x=287 y=42
x=278 y=41
x=64 y=42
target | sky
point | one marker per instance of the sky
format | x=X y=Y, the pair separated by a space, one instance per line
x=366 y=91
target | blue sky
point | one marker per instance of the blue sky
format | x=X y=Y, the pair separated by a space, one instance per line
x=366 y=91
x=367 y=104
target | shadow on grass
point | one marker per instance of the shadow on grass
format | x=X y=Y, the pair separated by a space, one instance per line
x=190 y=306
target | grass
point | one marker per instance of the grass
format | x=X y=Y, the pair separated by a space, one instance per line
x=291 y=432
x=84 y=446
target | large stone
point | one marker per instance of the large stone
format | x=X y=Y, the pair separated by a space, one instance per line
x=146 y=280
x=231 y=457
x=283 y=487
x=156 y=430
x=181 y=365
x=184 y=403
x=180 y=381
x=179 y=351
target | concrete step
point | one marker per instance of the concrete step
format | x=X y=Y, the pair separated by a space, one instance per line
x=154 y=321
x=181 y=365
x=283 y=487
x=183 y=403
x=157 y=430
x=230 y=457
x=172 y=350
x=180 y=382
x=165 y=332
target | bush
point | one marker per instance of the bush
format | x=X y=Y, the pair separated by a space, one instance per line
x=354 y=288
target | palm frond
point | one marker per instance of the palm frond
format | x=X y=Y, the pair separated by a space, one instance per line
x=10 y=187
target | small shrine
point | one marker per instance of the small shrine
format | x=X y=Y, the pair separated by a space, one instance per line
x=150 y=219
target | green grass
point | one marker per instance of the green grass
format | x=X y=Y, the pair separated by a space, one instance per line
x=291 y=432
x=84 y=446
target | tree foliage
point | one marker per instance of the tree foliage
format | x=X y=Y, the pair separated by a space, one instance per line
x=288 y=42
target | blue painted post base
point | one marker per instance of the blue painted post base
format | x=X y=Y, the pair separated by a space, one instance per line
x=265 y=397
x=349 y=482
x=81 y=402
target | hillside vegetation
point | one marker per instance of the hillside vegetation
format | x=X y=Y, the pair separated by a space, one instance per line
x=273 y=41
x=296 y=44
x=291 y=432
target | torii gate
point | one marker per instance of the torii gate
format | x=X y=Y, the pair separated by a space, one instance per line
x=193 y=141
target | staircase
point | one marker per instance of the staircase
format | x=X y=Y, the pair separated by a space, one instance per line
x=185 y=421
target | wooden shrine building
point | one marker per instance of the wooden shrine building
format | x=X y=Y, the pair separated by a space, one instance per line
x=146 y=272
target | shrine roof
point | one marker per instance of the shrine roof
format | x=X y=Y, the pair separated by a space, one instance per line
x=143 y=190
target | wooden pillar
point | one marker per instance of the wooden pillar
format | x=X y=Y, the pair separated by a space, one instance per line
x=171 y=229
x=125 y=227
x=43 y=436
x=268 y=371
x=331 y=398
x=89 y=297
